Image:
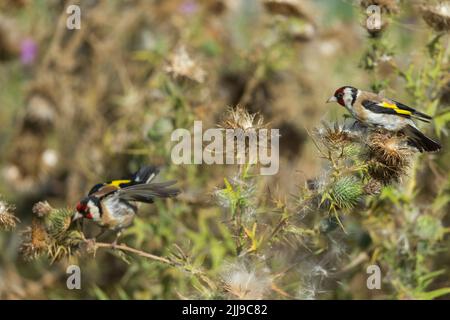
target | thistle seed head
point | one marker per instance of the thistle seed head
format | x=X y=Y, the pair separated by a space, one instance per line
x=42 y=208
x=8 y=220
x=35 y=240
x=388 y=155
x=292 y=8
x=336 y=137
x=181 y=65
x=242 y=282
x=346 y=191
x=437 y=16
x=373 y=187
x=240 y=118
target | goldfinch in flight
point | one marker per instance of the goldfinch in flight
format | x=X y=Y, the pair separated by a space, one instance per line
x=113 y=205
x=374 y=110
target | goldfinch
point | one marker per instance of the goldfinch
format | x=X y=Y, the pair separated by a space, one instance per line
x=374 y=110
x=113 y=205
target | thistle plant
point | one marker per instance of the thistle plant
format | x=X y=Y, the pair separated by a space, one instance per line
x=245 y=282
x=51 y=233
x=437 y=15
x=415 y=229
x=239 y=192
x=389 y=155
x=346 y=197
x=346 y=191
x=381 y=162
x=8 y=220
x=181 y=65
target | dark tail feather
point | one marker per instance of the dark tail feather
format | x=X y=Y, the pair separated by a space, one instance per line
x=420 y=141
x=422 y=115
x=145 y=174
x=148 y=192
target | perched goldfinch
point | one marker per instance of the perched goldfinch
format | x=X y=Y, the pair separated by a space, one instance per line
x=113 y=205
x=374 y=110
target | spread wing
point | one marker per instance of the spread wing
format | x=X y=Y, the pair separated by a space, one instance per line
x=395 y=108
x=138 y=188
x=148 y=192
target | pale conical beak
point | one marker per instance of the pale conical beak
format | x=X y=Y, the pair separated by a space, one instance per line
x=332 y=99
x=77 y=216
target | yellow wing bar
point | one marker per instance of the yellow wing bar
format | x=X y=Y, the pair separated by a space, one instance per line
x=393 y=106
x=118 y=183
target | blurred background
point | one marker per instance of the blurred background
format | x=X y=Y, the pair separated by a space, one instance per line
x=78 y=107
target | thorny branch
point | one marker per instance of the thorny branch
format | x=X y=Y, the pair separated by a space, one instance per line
x=170 y=262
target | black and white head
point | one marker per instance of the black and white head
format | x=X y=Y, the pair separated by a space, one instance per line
x=345 y=96
x=88 y=208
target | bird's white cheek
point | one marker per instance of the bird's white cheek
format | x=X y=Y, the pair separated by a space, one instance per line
x=94 y=211
x=348 y=100
x=96 y=216
x=349 y=107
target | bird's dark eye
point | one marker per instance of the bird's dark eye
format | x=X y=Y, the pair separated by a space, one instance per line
x=340 y=95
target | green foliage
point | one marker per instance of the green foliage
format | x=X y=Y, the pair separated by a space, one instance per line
x=429 y=228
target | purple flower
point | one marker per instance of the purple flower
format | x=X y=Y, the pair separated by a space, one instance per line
x=28 y=51
x=188 y=7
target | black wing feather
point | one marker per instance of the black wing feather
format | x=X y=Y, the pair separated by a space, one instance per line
x=414 y=111
x=148 y=192
x=95 y=188
x=376 y=108
x=145 y=174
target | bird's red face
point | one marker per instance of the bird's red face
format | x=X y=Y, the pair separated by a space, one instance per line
x=339 y=95
x=83 y=209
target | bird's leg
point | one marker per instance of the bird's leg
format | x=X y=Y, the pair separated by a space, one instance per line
x=114 y=244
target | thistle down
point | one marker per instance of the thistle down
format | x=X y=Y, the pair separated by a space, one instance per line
x=227 y=146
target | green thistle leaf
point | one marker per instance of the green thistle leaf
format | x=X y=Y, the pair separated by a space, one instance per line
x=429 y=228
